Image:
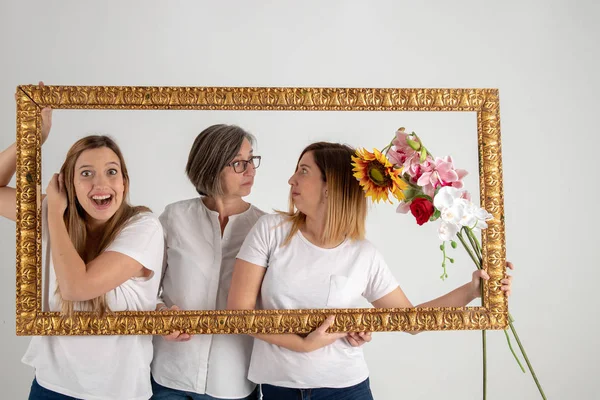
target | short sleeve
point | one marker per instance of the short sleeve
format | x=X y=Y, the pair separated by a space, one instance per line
x=381 y=281
x=164 y=221
x=141 y=239
x=256 y=247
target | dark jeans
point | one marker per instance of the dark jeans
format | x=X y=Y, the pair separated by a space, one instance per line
x=38 y=392
x=161 y=392
x=362 y=391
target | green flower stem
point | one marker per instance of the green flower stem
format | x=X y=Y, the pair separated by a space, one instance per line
x=514 y=331
x=512 y=350
x=474 y=244
x=474 y=252
x=443 y=248
x=468 y=249
x=478 y=264
x=477 y=244
x=388 y=147
x=484 y=344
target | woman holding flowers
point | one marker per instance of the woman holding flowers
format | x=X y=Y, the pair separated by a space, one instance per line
x=316 y=256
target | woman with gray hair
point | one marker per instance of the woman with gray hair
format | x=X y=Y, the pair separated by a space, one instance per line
x=202 y=238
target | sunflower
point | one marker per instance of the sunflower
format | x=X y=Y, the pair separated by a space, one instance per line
x=377 y=175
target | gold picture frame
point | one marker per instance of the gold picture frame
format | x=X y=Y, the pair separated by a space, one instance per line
x=31 y=320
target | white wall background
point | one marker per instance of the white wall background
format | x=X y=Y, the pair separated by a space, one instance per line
x=541 y=55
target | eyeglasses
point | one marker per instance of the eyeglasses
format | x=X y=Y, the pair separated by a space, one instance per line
x=241 y=165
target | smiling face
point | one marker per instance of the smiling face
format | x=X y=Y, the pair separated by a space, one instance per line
x=236 y=184
x=99 y=184
x=308 y=189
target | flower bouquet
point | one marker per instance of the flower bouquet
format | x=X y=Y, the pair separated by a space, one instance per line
x=431 y=189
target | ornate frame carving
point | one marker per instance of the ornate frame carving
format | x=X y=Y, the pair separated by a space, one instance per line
x=31 y=320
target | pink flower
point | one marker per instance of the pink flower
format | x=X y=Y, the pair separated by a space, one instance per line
x=402 y=153
x=403 y=207
x=441 y=173
x=415 y=171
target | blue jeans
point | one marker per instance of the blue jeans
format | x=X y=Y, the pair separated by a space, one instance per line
x=161 y=392
x=362 y=391
x=38 y=392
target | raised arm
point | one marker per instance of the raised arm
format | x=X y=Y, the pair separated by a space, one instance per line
x=78 y=281
x=8 y=165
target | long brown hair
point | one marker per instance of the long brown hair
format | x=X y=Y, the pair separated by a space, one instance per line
x=346 y=203
x=76 y=219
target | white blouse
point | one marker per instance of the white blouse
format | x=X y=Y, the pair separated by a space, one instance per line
x=197 y=276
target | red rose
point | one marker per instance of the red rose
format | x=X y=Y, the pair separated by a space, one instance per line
x=422 y=209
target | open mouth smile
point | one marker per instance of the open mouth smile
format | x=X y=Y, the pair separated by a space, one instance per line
x=102 y=201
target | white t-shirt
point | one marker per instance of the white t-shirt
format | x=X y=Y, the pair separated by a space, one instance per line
x=197 y=277
x=103 y=367
x=301 y=275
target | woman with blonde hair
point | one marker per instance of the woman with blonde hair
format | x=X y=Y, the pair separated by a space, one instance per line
x=100 y=254
x=316 y=256
x=203 y=236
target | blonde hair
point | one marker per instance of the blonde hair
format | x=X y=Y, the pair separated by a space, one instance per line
x=346 y=203
x=75 y=217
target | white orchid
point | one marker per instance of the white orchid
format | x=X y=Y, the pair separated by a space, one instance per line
x=446 y=197
x=457 y=211
x=448 y=231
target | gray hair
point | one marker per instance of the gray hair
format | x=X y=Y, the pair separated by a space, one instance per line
x=214 y=148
